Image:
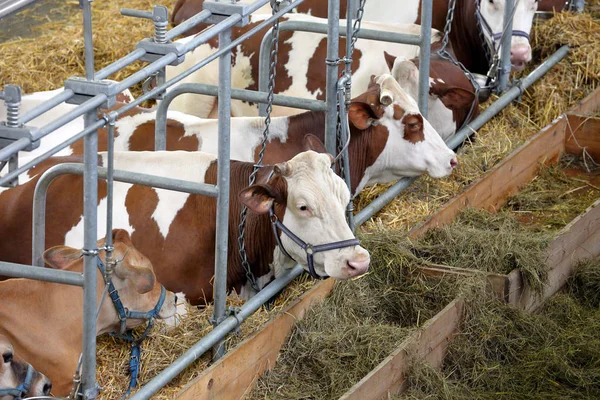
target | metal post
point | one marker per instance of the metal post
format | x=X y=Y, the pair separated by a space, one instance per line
x=87 y=38
x=333 y=40
x=424 y=56
x=220 y=285
x=505 y=64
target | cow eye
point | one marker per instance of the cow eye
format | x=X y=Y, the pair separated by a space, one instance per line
x=303 y=208
x=491 y=1
x=7 y=357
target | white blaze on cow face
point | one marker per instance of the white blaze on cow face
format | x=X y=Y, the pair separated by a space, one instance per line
x=315 y=212
x=493 y=13
x=413 y=147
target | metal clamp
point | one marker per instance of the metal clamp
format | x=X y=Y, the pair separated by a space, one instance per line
x=233 y=311
x=85 y=90
x=343 y=60
x=222 y=10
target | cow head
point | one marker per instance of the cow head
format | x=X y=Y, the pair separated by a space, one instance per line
x=13 y=373
x=492 y=21
x=310 y=200
x=133 y=278
x=411 y=146
x=451 y=95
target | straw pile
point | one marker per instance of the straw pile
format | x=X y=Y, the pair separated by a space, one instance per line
x=361 y=323
x=165 y=344
x=504 y=353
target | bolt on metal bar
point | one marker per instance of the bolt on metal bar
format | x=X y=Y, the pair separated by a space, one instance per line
x=216 y=335
x=316 y=27
x=333 y=42
x=221 y=240
x=40 y=274
x=456 y=140
x=424 y=56
x=505 y=64
x=188 y=24
x=46 y=106
x=41 y=190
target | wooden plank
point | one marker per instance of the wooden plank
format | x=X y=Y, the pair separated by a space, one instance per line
x=504 y=180
x=235 y=374
x=429 y=342
x=588 y=106
x=583 y=132
x=577 y=241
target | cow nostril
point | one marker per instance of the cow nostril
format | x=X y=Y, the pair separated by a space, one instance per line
x=350 y=266
x=454 y=163
x=47 y=388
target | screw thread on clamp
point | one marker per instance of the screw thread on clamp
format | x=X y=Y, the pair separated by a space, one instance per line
x=160 y=31
x=12 y=113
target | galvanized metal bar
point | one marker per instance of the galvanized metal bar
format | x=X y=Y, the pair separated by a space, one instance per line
x=216 y=335
x=50 y=153
x=90 y=210
x=13 y=148
x=212 y=90
x=315 y=27
x=256 y=5
x=41 y=274
x=456 y=140
x=505 y=64
x=424 y=55
x=578 y=5
x=221 y=240
x=333 y=42
x=203 y=37
x=90 y=105
x=41 y=190
x=188 y=24
x=88 y=42
x=207 y=60
x=146 y=72
x=45 y=106
x=110 y=170
x=120 y=63
x=10 y=7
x=128 y=12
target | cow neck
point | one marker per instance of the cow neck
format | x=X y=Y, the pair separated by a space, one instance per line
x=466 y=39
x=259 y=238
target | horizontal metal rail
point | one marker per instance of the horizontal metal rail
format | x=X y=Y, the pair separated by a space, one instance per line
x=188 y=24
x=41 y=189
x=455 y=141
x=8 y=7
x=46 y=106
x=41 y=274
x=217 y=334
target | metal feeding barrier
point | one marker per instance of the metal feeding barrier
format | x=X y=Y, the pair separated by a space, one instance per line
x=92 y=92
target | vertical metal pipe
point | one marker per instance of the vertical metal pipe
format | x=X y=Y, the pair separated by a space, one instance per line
x=109 y=187
x=333 y=40
x=90 y=207
x=424 y=55
x=505 y=65
x=220 y=285
x=87 y=38
x=350 y=8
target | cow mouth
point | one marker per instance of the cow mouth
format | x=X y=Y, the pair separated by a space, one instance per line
x=518 y=66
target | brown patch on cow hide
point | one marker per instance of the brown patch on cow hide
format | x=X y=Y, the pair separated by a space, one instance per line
x=317 y=72
x=143 y=137
x=413 y=128
x=398 y=112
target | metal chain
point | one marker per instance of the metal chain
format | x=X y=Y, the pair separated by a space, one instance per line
x=272 y=72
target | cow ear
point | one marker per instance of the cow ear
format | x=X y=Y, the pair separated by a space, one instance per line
x=311 y=142
x=59 y=257
x=361 y=115
x=258 y=198
x=121 y=235
x=389 y=59
x=405 y=72
x=142 y=278
x=456 y=98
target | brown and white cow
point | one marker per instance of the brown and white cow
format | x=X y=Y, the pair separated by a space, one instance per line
x=50 y=336
x=465 y=36
x=381 y=149
x=13 y=374
x=300 y=69
x=176 y=231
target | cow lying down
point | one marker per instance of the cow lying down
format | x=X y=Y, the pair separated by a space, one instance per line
x=50 y=338
x=176 y=231
x=18 y=379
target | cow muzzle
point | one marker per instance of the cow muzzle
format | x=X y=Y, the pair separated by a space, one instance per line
x=520 y=55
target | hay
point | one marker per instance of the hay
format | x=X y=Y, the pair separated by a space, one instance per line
x=360 y=324
x=165 y=344
x=505 y=353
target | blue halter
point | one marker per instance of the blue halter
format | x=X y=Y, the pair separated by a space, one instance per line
x=20 y=391
x=124 y=315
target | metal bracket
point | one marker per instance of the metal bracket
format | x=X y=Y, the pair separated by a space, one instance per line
x=85 y=90
x=223 y=9
x=154 y=50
